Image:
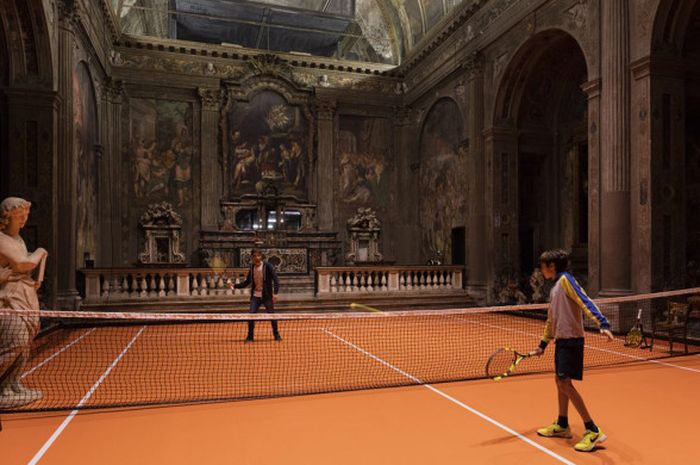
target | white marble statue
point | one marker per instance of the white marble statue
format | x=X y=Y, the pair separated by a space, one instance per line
x=21 y=274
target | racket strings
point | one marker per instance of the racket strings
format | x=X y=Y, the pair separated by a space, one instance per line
x=500 y=363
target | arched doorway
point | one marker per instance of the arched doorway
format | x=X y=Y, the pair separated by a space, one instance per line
x=675 y=164
x=442 y=183
x=544 y=112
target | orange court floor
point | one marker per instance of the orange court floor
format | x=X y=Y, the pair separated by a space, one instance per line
x=648 y=410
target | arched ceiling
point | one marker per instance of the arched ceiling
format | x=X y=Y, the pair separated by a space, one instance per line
x=380 y=31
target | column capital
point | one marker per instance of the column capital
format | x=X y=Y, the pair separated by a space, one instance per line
x=210 y=98
x=325 y=109
x=405 y=116
x=68 y=13
x=114 y=90
x=473 y=65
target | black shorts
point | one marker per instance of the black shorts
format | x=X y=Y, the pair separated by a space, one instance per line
x=568 y=358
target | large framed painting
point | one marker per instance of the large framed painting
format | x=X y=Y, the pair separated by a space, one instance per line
x=267 y=140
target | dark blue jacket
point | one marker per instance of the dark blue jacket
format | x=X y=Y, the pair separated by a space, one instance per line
x=271 y=283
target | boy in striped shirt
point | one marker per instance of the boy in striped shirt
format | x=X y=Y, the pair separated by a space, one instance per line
x=568 y=302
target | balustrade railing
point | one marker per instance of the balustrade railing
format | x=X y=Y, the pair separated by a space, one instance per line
x=352 y=280
x=161 y=284
x=108 y=285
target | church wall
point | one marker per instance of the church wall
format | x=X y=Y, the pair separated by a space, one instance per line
x=160 y=163
x=233 y=104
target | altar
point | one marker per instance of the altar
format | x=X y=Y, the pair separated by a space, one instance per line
x=281 y=226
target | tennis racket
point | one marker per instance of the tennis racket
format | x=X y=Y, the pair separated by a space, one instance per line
x=634 y=336
x=503 y=362
x=356 y=306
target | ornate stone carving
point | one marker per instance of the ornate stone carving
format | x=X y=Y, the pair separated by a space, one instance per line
x=171 y=65
x=473 y=64
x=578 y=14
x=325 y=110
x=363 y=233
x=269 y=64
x=162 y=226
x=499 y=64
x=210 y=98
x=113 y=90
x=285 y=261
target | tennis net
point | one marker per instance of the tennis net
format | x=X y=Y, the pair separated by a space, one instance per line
x=97 y=360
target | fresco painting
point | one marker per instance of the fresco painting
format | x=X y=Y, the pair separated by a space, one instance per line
x=442 y=180
x=362 y=151
x=160 y=152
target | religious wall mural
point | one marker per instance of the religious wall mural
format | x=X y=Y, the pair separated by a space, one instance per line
x=267 y=141
x=160 y=158
x=442 y=179
x=84 y=142
x=363 y=155
x=160 y=151
x=362 y=150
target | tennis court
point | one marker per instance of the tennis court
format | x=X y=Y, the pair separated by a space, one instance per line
x=324 y=370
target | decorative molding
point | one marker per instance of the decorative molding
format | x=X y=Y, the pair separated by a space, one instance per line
x=325 y=109
x=175 y=65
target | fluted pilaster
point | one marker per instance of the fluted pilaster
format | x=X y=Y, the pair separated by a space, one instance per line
x=325 y=181
x=615 y=148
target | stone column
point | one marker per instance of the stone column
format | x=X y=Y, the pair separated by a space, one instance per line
x=211 y=169
x=407 y=158
x=592 y=90
x=500 y=204
x=325 y=173
x=67 y=294
x=615 y=151
x=477 y=276
x=113 y=182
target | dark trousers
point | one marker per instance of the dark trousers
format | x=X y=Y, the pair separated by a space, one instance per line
x=255 y=303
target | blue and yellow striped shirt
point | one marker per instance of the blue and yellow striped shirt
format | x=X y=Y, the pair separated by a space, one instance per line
x=568 y=302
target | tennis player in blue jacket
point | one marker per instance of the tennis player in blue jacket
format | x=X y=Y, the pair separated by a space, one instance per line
x=264 y=287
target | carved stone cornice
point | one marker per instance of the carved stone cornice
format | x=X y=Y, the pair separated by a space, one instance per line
x=210 y=98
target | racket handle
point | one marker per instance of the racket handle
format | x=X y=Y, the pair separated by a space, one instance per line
x=639 y=314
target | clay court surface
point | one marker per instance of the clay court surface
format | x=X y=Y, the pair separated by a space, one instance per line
x=648 y=409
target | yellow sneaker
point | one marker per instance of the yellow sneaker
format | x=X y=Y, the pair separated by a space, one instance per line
x=589 y=440
x=555 y=431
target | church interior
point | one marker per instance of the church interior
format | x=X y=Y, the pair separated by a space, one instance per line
x=358 y=142
x=415 y=196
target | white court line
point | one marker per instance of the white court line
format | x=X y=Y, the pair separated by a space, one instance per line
x=85 y=398
x=633 y=357
x=453 y=400
x=29 y=372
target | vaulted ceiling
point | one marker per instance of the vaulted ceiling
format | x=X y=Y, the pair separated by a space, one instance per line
x=382 y=31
